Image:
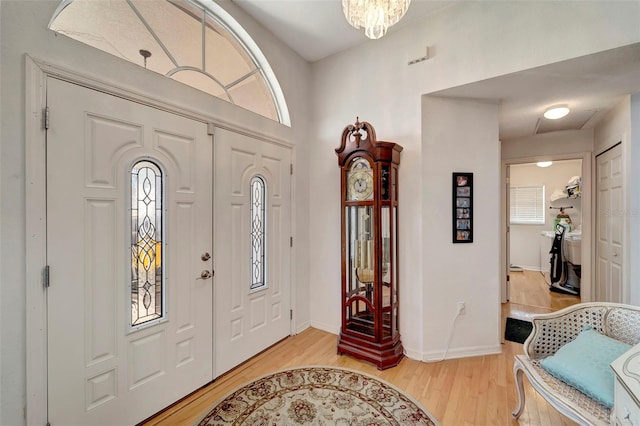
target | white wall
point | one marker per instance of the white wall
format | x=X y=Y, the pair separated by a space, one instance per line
x=470 y=41
x=473 y=41
x=545 y=146
x=460 y=136
x=525 y=239
x=23 y=29
x=613 y=127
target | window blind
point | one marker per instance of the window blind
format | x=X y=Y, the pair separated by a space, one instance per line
x=526 y=205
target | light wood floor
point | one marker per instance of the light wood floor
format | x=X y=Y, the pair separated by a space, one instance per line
x=530 y=295
x=468 y=391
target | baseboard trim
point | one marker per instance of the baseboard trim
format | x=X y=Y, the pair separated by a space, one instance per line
x=325 y=327
x=302 y=327
x=412 y=354
x=471 y=351
x=528 y=268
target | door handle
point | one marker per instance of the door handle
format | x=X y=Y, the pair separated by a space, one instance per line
x=205 y=275
x=205 y=257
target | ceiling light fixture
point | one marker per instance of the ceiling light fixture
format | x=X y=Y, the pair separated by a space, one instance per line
x=544 y=163
x=556 y=112
x=375 y=16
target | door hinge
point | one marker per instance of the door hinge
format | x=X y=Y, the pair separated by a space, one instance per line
x=290 y=241
x=45 y=118
x=45 y=277
x=290 y=314
x=291 y=169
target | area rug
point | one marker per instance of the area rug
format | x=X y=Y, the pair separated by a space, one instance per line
x=317 y=396
x=517 y=330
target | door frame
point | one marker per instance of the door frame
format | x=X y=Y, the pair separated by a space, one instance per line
x=588 y=222
x=36 y=73
x=505 y=261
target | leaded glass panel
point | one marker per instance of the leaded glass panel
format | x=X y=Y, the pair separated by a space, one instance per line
x=147 y=279
x=258 y=232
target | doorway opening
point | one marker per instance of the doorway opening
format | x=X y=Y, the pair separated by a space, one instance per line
x=544 y=210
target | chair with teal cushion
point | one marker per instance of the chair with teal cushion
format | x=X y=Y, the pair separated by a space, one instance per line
x=568 y=354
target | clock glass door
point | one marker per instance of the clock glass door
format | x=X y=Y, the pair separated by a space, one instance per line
x=360 y=270
x=387 y=282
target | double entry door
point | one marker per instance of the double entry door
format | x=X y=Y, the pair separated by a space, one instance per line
x=134 y=299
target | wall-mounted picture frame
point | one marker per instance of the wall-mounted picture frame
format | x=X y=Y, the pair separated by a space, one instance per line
x=462 y=208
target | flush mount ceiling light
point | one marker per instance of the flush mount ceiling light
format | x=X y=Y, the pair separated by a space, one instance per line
x=556 y=112
x=544 y=163
x=375 y=16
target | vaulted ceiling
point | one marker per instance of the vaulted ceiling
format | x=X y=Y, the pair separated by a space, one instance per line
x=591 y=85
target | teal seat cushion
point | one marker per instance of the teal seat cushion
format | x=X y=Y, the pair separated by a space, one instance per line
x=585 y=364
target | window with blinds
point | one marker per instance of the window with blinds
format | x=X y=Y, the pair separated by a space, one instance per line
x=526 y=205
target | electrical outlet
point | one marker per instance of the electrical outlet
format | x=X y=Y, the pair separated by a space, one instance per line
x=461 y=308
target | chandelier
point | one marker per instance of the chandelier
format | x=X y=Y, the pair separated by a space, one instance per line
x=375 y=16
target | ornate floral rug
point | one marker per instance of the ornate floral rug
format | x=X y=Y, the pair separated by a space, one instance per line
x=317 y=396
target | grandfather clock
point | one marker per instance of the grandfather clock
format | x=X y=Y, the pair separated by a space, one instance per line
x=369 y=211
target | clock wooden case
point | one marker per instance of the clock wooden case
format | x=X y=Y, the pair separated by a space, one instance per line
x=369 y=211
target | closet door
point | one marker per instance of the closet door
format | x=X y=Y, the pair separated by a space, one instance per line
x=610 y=226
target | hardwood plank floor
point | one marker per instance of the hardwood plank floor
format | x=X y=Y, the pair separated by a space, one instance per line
x=528 y=288
x=467 y=391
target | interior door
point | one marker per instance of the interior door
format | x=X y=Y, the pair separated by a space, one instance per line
x=129 y=223
x=610 y=225
x=252 y=248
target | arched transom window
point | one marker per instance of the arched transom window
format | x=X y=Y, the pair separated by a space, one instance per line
x=194 y=42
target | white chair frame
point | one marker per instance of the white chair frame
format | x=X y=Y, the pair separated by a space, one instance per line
x=551 y=332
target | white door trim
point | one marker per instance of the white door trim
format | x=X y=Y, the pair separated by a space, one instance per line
x=36 y=73
x=36 y=249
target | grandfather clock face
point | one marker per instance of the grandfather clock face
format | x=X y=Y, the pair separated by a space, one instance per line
x=359 y=180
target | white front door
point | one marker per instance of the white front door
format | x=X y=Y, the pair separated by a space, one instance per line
x=252 y=249
x=610 y=225
x=129 y=223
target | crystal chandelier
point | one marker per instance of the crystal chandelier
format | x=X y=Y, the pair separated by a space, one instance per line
x=375 y=16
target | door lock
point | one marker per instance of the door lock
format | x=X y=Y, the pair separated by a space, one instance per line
x=205 y=257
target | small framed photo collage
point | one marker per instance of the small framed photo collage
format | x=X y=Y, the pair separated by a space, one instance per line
x=462 y=207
